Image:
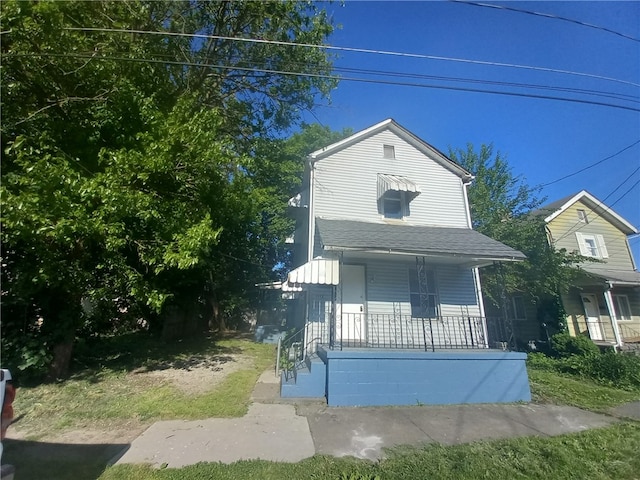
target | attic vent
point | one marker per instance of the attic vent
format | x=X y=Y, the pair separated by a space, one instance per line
x=388 y=151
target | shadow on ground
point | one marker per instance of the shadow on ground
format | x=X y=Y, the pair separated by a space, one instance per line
x=58 y=461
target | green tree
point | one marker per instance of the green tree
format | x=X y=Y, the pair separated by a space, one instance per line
x=129 y=174
x=503 y=207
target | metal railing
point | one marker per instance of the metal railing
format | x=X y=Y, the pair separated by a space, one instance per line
x=297 y=345
x=628 y=334
x=406 y=332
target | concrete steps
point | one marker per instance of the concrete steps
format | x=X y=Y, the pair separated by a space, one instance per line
x=309 y=382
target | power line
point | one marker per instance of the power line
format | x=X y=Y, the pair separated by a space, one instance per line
x=548 y=15
x=591 y=166
x=606 y=207
x=354 y=50
x=330 y=77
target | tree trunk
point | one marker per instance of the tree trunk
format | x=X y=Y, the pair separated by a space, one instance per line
x=61 y=362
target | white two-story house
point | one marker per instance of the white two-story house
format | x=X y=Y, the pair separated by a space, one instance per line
x=387 y=272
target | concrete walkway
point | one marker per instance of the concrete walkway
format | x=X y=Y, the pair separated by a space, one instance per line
x=275 y=431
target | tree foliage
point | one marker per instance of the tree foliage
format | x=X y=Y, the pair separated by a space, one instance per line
x=503 y=207
x=137 y=174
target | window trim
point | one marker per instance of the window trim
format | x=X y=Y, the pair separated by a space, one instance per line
x=582 y=216
x=616 y=297
x=401 y=199
x=388 y=152
x=598 y=242
x=431 y=292
x=514 y=309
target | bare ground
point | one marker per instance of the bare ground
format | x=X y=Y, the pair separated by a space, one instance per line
x=196 y=376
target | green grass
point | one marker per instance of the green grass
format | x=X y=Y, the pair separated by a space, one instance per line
x=607 y=453
x=109 y=395
x=564 y=389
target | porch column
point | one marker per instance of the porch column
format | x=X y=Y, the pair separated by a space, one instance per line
x=608 y=298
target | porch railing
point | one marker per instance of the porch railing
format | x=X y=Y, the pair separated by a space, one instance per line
x=628 y=334
x=406 y=332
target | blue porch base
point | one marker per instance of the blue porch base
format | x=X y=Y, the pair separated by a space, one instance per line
x=362 y=377
x=310 y=381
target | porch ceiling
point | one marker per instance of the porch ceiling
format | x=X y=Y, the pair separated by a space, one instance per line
x=457 y=245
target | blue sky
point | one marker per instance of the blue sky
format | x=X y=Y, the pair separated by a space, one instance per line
x=543 y=139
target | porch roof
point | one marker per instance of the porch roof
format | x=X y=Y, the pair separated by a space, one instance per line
x=616 y=277
x=464 y=244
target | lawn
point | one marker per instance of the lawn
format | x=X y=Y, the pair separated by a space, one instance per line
x=69 y=430
x=608 y=453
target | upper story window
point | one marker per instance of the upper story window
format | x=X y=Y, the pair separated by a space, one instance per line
x=592 y=245
x=393 y=204
x=394 y=195
x=582 y=216
x=388 y=151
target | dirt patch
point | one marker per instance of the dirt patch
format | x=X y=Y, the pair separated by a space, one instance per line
x=200 y=377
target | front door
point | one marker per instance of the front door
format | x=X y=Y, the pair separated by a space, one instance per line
x=592 y=315
x=351 y=316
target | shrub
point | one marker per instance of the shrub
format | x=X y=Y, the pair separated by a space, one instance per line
x=564 y=345
x=617 y=369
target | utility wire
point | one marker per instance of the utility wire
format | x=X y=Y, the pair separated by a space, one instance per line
x=591 y=166
x=330 y=77
x=548 y=15
x=354 y=50
x=581 y=225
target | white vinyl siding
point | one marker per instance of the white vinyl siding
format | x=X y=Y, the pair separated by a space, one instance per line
x=388 y=290
x=346 y=183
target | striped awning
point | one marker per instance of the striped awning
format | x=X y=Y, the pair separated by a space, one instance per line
x=387 y=182
x=319 y=271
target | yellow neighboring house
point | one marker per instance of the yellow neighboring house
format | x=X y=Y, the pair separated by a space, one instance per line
x=605 y=302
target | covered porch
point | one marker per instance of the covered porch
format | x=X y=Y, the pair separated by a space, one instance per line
x=398 y=308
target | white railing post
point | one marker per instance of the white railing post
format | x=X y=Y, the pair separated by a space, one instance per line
x=278 y=356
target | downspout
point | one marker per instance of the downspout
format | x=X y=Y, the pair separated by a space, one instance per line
x=475 y=270
x=612 y=315
x=312 y=218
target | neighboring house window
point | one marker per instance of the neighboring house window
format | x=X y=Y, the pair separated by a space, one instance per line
x=388 y=151
x=582 y=216
x=518 y=310
x=393 y=204
x=621 y=306
x=430 y=308
x=592 y=245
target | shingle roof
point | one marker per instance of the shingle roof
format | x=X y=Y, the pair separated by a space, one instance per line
x=419 y=240
x=623 y=277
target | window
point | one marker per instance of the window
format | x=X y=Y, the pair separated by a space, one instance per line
x=393 y=204
x=621 y=306
x=592 y=245
x=388 y=151
x=430 y=307
x=518 y=310
x=582 y=216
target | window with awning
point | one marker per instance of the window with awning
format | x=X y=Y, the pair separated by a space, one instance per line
x=394 y=194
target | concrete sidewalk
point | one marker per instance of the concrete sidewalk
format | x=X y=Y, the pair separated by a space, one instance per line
x=284 y=432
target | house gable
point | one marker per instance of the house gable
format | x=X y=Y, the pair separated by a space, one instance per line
x=585 y=225
x=347 y=177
